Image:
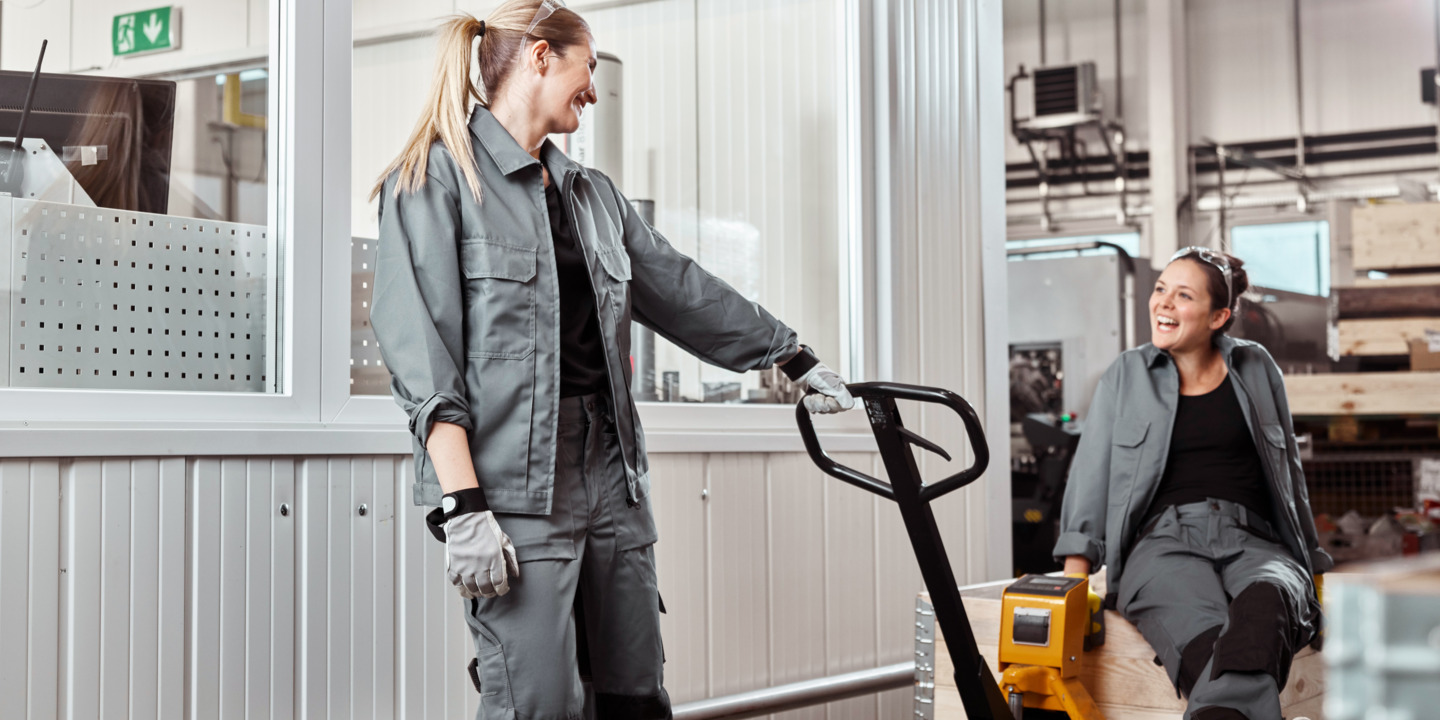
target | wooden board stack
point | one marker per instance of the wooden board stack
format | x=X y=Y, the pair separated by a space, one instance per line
x=1384 y=319
x=1121 y=675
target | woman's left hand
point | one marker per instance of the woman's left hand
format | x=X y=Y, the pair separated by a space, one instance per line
x=830 y=395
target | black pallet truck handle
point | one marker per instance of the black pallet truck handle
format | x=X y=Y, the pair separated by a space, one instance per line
x=878 y=398
x=979 y=692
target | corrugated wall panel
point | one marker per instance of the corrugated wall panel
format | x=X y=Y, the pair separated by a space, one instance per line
x=81 y=604
x=145 y=619
x=677 y=482
x=739 y=578
x=15 y=534
x=797 y=571
x=162 y=588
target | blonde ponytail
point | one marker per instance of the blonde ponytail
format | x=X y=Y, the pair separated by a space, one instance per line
x=447 y=112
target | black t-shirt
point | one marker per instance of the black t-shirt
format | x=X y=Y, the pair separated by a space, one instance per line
x=582 y=353
x=1212 y=455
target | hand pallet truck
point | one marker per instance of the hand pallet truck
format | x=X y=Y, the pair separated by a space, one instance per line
x=978 y=690
x=1034 y=674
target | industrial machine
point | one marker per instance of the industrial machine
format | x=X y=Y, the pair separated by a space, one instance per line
x=1072 y=311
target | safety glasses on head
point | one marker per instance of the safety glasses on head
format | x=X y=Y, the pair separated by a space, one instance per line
x=546 y=9
x=1212 y=257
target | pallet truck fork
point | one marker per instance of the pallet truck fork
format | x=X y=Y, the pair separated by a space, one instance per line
x=980 y=693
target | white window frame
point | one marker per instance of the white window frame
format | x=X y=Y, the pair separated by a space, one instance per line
x=295 y=108
x=669 y=427
x=309 y=156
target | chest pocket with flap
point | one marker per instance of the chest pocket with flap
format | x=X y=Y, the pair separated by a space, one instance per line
x=499 y=298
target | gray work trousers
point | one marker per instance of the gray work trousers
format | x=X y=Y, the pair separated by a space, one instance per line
x=1222 y=603
x=592 y=557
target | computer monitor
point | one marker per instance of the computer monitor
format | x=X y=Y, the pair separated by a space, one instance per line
x=130 y=122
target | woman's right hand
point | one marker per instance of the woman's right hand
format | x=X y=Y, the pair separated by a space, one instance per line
x=1077 y=565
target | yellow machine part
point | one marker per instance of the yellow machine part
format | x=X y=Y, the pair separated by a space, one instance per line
x=1063 y=637
x=1044 y=689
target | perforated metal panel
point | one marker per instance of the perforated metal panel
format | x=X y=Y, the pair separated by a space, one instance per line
x=368 y=374
x=113 y=299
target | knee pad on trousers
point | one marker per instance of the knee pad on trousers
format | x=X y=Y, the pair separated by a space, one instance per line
x=1193 y=659
x=1215 y=712
x=632 y=707
x=1261 y=636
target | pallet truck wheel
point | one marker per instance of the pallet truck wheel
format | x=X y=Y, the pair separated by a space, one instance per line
x=1017 y=704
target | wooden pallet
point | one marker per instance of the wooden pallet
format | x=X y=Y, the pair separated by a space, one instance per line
x=1121 y=675
x=1392 y=237
x=1379 y=393
x=1376 y=321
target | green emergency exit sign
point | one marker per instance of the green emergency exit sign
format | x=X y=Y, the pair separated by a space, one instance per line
x=146 y=31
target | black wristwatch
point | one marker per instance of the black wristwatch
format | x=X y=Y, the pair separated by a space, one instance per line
x=460 y=502
x=800 y=363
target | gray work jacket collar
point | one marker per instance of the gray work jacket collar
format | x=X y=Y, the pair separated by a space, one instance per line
x=507 y=153
x=1224 y=343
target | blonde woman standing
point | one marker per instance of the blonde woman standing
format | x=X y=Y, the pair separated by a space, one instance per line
x=505 y=285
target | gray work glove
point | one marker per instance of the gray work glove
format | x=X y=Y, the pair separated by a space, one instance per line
x=479 y=557
x=830 y=395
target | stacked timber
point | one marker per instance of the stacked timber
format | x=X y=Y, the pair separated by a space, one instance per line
x=1121 y=675
x=1388 y=323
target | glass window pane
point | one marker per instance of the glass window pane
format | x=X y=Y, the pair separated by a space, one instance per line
x=136 y=237
x=745 y=176
x=1286 y=256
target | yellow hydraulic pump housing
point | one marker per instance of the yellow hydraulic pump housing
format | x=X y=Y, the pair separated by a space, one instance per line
x=1043 y=625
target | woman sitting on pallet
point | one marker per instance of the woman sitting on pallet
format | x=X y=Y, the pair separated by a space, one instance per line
x=1187 y=486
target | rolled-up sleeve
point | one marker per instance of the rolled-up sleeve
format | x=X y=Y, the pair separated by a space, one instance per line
x=418 y=306
x=697 y=311
x=1083 y=514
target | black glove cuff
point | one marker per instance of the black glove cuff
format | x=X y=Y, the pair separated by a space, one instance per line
x=460 y=502
x=800 y=364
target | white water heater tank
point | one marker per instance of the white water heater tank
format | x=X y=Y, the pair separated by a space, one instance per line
x=600 y=140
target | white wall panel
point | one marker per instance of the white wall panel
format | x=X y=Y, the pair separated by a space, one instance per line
x=174 y=587
x=205 y=28
x=372 y=15
x=24 y=25
x=683 y=567
x=1242 y=83
x=739 y=577
x=1362 y=63
x=797 y=572
x=15 y=534
x=81 y=491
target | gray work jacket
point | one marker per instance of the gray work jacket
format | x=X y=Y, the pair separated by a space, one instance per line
x=467 y=311
x=1126 y=441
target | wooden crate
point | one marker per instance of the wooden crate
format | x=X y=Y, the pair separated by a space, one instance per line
x=1380 y=393
x=1383 y=336
x=1121 y=676
x=1390 y=237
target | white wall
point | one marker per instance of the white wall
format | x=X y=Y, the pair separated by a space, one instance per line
x=1361 y=62
x=79 y=33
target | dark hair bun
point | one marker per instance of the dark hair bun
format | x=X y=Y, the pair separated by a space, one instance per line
x=1239 y=284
